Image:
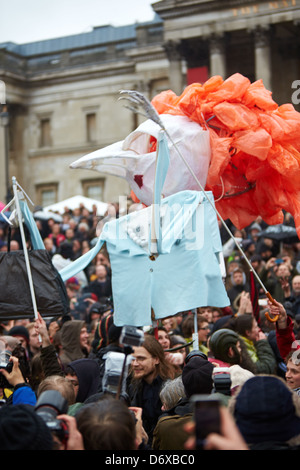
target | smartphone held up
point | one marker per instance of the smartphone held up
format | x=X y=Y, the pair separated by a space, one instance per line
x=206 y=409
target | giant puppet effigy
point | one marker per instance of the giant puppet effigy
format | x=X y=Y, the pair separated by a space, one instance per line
x=227 y=138
x=253 y=169
x=221 y=150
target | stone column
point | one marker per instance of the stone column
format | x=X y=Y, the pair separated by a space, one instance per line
x=262 y=53
x=217 y=57
x=172 y=49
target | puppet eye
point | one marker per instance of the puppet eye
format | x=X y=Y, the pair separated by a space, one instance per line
x=139 y=180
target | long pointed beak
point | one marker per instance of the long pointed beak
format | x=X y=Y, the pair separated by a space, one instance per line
x=134 y=158
x=112 y=160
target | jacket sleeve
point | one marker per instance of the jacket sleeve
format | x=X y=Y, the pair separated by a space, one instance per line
x=266 y=363
x=23 y=394
x=50 y=363
x=286 y=340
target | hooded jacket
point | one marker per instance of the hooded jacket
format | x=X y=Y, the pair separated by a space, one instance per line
x=87 y=372
x=70 y=341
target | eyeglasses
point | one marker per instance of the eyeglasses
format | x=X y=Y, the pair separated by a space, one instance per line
x=204 y=328
x=139 y=359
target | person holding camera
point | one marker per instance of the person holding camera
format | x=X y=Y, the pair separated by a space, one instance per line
x=276 y=276
x=23 y=428
x=22 y=393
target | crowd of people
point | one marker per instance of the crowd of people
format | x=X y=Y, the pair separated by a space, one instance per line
x=109 y=395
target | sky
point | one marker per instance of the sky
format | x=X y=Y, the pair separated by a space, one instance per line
x=23 y=21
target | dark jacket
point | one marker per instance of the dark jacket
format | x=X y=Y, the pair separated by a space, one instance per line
x=261 y=354
x=51 y=364
x=295 y=301
x=100 y=289
x=146 y=396
x=169 y=433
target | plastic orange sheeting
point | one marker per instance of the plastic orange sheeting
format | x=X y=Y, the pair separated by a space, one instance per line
x=255 y=164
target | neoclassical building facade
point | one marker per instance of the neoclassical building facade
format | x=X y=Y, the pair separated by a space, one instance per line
x=61 y=95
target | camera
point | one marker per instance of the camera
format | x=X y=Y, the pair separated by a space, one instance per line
x=6 y=364
x=131 y=336
x=206 y=410
x=117 y=363
x=222 y=380
x=49 y=405
x=114 y=365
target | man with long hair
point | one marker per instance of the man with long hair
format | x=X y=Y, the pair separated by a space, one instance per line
x=149 y=369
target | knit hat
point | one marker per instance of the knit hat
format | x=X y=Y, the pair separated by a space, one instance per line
x=264 y=248
x=100 y=307
x=221 y=322
x=239 y=375
x=101 y=334
x=95 y=308
x=197 y=376
x=255 y=257
x=264 y=411
x=73 y=283
x=114 y=333
x=21 y=428
x=21 y=331
x=255 y=226
x=245 y=244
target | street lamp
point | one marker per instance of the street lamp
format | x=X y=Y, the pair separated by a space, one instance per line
x=4 y=122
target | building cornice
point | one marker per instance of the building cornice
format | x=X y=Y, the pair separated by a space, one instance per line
x=171 y=9
x=68 y=74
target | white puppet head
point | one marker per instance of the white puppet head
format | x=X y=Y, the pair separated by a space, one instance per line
x=133 y=160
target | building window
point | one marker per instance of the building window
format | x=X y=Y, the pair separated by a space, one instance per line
x=45 y=126
x=46 y=194
x=93 y=189
x=91 y=127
